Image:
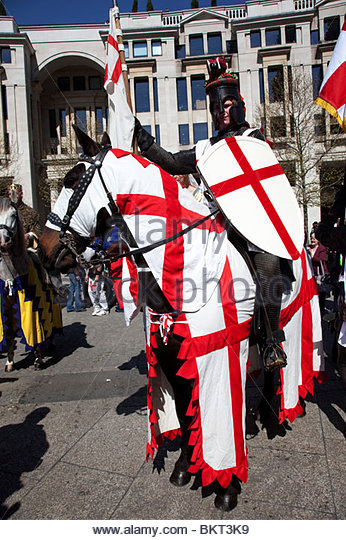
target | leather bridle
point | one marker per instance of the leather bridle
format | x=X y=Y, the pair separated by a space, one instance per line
x=68 y=242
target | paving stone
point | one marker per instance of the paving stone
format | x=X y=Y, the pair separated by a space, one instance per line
x=332 y=407
x=337 y=466
x=13 y=487
x=304 y=434
x=117 y=443
x=283 y=478
x=153 y=497
x=33 y=439
x=86 y=494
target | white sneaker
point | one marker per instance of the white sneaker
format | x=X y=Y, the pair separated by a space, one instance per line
x=96 y=311
x=101 y=312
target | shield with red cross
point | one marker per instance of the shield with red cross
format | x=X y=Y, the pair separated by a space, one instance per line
x=254 y=194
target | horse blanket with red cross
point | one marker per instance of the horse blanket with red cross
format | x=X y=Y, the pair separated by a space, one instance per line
x=212 y=294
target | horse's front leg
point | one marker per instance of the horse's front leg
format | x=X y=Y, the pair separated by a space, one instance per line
x=182 y=389
x=10 y=356
x=38 y=362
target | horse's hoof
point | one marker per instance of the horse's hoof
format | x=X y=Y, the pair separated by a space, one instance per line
x=38 y=364
x=9 y=367
x=226 y=502
x=180 y=478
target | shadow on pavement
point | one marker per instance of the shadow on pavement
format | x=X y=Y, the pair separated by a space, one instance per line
x=22 y=447
x=135 y=403
x=74 y=337
x=139 y=361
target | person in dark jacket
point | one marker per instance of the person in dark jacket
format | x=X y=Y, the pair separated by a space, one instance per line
x=331 y=232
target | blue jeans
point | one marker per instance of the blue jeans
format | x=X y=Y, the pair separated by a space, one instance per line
x=74 y=294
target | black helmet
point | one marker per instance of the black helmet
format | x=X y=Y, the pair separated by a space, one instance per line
x=220 y=86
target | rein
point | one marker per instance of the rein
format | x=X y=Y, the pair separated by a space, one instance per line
x=146 y=249
x=75 y=200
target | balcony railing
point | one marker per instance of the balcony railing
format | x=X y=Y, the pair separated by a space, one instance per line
x=174 y=18
x=300 y=5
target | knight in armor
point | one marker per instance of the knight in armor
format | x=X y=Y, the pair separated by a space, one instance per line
x=227 y=108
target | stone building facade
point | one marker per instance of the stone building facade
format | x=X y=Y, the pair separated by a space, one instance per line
x=52 y=77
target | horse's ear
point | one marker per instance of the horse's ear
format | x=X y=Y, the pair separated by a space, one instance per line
x=73 y=176
x=106 y=140
x=90 y=147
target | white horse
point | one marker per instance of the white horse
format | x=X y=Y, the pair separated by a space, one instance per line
x=199 y=310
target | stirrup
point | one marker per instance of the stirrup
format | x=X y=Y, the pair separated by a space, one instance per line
x=274 y=357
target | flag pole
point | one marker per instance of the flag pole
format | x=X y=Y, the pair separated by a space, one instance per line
x=120 y=40
x=116 y=15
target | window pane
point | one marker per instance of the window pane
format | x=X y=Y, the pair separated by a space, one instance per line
x=81 y=119
x=6 y=55
x=335 y=127
x=180 y=51
x=156 y=97
x=214 y=43
x=99 y=120
x=314 y=37
x=198 y=93
x=126 y=49
x=62 y=120
x=182 y=94
x=147 y=128
x=52 y=123
x=94 y=82
x=278 y=126
x=157 y=134
x=289 y=168
x=156 y=48
x=317 y=78
x=319 y=125
x=200 y=131
x=231 y=46
x=290 y=33
x=331 y=28
x=184 y=138
x=275 y=84
x=140 y=49
x=196 y=45
x=273 y=36
x=4 y=102
x=142 y=95
x=79 y=83
x=63 y=83
x=255 y=39
x=261 y=85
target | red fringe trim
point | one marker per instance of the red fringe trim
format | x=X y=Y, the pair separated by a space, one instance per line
x=189 y=371
x=303 y=391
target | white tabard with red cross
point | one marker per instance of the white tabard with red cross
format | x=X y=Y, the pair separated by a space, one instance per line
x=253 y=192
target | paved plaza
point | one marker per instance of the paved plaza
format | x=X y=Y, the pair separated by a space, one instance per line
x=73 y=439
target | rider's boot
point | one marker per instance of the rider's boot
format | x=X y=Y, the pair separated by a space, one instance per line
x=227 y=498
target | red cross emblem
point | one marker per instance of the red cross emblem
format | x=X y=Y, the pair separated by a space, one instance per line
x=281 y=219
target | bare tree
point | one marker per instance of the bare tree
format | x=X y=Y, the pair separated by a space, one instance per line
x=304 y=139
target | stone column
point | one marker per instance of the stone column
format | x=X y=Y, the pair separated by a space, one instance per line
x=2 y=120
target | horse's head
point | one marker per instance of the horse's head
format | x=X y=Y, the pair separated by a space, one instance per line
x=62 y=243
x=11 y=230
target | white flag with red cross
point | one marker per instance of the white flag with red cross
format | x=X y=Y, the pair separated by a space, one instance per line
x=253 y=192
x=120 y=118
